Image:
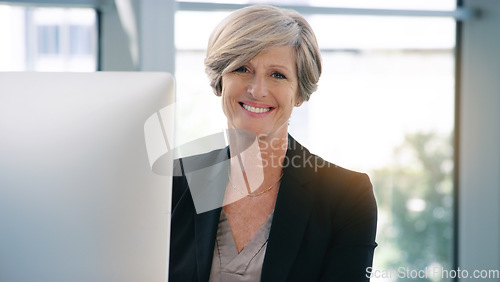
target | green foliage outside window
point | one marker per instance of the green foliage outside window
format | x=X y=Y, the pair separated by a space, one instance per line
x=415 y=195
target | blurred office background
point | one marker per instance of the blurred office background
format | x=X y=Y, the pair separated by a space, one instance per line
x=409 y=94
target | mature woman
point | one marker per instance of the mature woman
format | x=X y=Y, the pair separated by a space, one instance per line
x=265 y=209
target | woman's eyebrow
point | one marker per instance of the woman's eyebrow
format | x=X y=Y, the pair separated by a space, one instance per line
x=285 y=67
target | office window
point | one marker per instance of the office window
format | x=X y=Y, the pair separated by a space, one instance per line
x=47 y=39
x=82 y=40
x=385 y=106
x=444 y=5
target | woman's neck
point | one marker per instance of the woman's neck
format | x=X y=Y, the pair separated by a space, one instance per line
x=264 y=151
x=256 y=162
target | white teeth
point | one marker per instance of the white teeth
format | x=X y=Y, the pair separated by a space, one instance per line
x=255 y=110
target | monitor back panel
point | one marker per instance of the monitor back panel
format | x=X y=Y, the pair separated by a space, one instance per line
x=78 y=198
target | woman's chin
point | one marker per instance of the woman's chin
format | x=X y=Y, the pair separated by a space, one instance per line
x=242 y=132
x=247 y=129
x=258 y=131
x=263 y=129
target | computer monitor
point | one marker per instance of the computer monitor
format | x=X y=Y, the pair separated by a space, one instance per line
x=79 y=200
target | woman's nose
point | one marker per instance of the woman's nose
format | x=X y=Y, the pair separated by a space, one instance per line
x=258 y=88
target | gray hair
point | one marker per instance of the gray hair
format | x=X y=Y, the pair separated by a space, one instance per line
x=249 y=31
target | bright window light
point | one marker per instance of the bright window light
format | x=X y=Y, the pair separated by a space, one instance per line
x=47 y=39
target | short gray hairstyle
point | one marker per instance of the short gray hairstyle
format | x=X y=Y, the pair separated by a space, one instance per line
x=247 y=32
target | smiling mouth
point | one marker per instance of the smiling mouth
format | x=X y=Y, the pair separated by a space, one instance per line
x=255 y=109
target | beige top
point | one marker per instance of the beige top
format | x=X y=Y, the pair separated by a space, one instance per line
x=228 y=265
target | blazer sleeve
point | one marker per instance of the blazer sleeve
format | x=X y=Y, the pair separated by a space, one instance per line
x=353 y=235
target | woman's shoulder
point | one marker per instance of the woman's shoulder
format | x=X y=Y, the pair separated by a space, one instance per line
x=346 y=195
x=345 y=185
x=340 y=176
x=187 y=164
x=325 y=177
x=300 y=157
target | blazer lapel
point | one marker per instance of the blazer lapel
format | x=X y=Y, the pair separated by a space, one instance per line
x=212 y=183
x=205 y=232
x=291 y=216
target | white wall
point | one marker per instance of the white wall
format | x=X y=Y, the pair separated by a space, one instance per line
x=157 y=46
x=151 y=34
x=115 y=48
x=479 y=170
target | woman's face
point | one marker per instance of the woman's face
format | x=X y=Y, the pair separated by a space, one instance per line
x=259 y=96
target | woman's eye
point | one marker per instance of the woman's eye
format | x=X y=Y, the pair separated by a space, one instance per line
x=279 y=75
x=241 y=69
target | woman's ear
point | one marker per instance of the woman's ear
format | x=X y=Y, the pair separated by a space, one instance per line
x=218 y=88
x=299 y=102
x=217 y=93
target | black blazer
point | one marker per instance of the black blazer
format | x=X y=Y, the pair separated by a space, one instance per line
x=323 y=227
